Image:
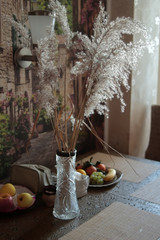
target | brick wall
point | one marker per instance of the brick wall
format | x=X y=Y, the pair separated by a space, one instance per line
x=12 y=77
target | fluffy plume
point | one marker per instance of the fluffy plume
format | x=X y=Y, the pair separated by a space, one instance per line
x=108 y=60
x=23 y=34
x=60 y=13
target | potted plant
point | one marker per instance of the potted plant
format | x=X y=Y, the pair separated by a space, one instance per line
x=39 y=4
x=104 y=61
x=7 y=144
x=43 y=122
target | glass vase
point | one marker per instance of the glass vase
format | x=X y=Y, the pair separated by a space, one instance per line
x=66 y=204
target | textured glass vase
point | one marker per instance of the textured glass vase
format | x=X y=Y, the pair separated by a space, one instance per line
x=66 y=204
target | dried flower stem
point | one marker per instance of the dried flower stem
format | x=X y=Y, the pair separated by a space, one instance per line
x=65 y=104
x=78 y=122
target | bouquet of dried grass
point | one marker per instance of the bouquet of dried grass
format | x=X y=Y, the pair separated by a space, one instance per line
x=105 y=59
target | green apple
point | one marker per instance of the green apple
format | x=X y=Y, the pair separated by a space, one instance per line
x=24 y=200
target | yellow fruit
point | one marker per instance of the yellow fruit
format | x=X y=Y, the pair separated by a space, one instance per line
x=4 y=195
x=8 y=188
x=81 y=171
x=110 y=175
x=24 y=200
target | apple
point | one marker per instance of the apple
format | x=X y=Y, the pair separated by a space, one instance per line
x=24 y=200
x=79 y=166
x=8 y=188
x=6 y=203
x=89 y=170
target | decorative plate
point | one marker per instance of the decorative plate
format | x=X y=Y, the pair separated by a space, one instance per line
x=14 y=207
x=117 y=178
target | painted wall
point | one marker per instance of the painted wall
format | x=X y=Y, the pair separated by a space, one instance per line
x=12 y=77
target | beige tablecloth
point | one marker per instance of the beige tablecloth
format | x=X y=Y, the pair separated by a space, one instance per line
x=133 y=170
x=149 y=192
x=118 y=222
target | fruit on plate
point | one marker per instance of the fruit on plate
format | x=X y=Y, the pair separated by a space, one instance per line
x=89 y=167
x=89 y=170
x=79 y=166
x=81 y=171
x=8 y=188
x=6 y=203
x=101 y=166
x=24 y=200
x=110 y=175
x=98 y=172
x=96 y=178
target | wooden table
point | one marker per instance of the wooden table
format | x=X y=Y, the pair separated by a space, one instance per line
x=39 y=223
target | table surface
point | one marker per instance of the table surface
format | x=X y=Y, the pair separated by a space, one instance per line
x=39 y=223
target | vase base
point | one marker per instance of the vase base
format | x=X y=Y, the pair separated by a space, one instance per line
x=66 y=216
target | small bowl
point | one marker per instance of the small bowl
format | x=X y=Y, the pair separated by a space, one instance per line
x=49 y=194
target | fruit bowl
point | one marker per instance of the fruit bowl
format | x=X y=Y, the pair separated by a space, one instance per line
x=99 y=174
x=11 y=205
x=115 y=180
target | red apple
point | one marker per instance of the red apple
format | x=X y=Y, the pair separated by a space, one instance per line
x=6 y=203
x=89 y=170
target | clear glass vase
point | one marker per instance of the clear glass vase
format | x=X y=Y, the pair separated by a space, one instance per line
x=66 y=204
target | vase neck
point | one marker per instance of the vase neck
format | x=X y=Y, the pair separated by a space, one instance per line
x=66 y=154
